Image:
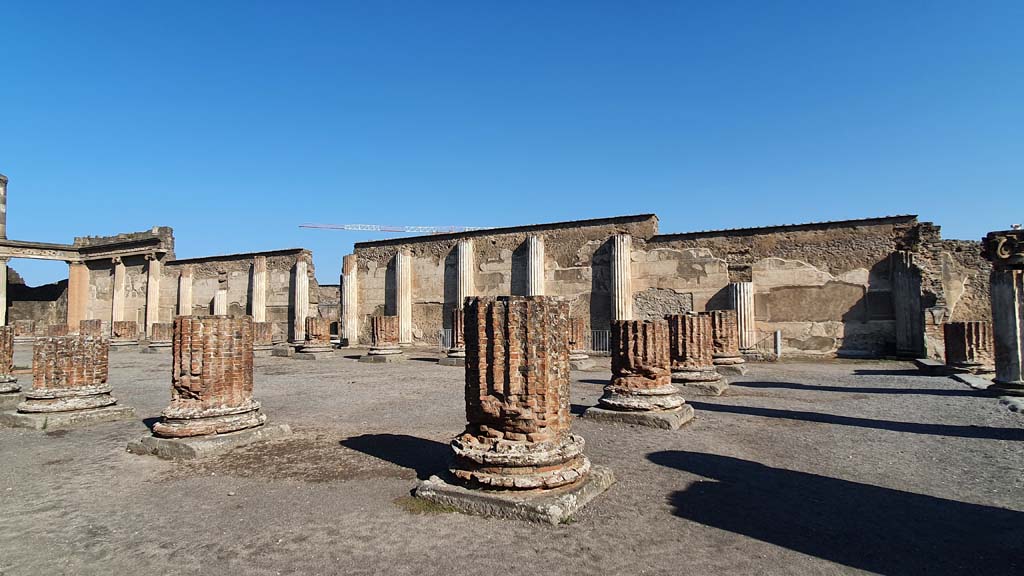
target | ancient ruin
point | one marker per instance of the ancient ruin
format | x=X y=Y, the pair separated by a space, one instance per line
x=124 y=333
x=57 y=330
x=385 y=347
x=969 y=347
x=456 y=354
x=691 y=348
x=92 y=328
x=578 y=357
x=10 y=391
x=262 y=338
x=518 y=437
x=212 y=406
x=69 y=385
x=1005 y=250
x=160 y=335
x=725 y=334
x=24 y=331
x=318 y=339
x=640 y=390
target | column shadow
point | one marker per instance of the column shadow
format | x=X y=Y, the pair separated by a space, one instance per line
x=861 y=389
x=953 y=430
x=426 y=457
x=880 y=530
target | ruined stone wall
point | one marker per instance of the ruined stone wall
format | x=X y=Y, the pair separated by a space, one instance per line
x=577 y=266
x=46 y=304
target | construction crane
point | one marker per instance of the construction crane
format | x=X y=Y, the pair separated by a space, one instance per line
x=402 y=229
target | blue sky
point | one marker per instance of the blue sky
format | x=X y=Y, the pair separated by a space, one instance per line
x=234 y=122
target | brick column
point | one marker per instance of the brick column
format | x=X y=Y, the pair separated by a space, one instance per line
x=153 y=272
x=578 y=339
x=622 y=280
x=117 y=305
x=300 y=305
x=517 y=397
x=258 y=304
x=92 y=328
x=743 y=302
x=384 y=336
x=1006 y=252
x=691 y=346
x=640 y=390
x=534 y=265
x=185 y=292
x=318 y=335
x=8 y=381
x=725 y=334
x=458 y=347
x=969 y=346
x=78 y=293
x=350 y=299
x=161 y=334
x=124 y=332
x=403 y=295
x=211 y=378
x=69 y=373
x=262 y=335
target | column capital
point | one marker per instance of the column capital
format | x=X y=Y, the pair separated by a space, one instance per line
x=116 y=260
x=1004 y=249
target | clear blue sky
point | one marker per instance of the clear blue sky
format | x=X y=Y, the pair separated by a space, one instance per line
x=234 y=122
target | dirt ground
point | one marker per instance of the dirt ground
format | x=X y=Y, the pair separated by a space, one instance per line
x=800 y=468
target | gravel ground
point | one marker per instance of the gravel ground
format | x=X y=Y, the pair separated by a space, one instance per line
x=800 y=468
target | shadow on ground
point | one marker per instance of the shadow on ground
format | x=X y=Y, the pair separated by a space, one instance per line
x=895 y=426
x=867 y=527
x=426 y=457
x=861 y=389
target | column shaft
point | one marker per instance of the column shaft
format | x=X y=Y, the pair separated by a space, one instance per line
x=465 y=285
x=185 y=292
x=403 y=295
x=301 y=304
x=154 y=270
x=220 y=302
x=3 y=291
x=350 y=299
x=259 y=289
x=534 y=266
x=78 y=294
x=117 y=305
x=622 y=280
x=1007 y=291
x=743 y=301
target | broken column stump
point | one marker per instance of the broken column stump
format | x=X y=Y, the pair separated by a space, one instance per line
x=10 y=391
x=726 y=339
x=69 y=385
x=641 y=390
x=691 y=349
x=160 y=337
x=92 y=328
x=456 y=355
x=318 y=340
x=578 y=357
x=24 y=331
x=969 y=347
x=383 y=341
x=262 y=338
x=517 y=457
x=124 y=334
x=212 y=407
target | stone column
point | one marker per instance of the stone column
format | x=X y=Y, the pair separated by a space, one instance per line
x=93 y=327
x=124 y=333
x=9 y=388
x=534 y=265
x=969 y=346
x=300 y=307
x=384 y=336
x=465 y=285
x=161 y=334
x=350 y=299
x=641 y=390
x=117 y=310
x=622 y=279
x=578 y=339
x=78 y=293
x=1006 y=252
x=743 y=302
x=318 y=336
x=262 y=336
x=154 y=269
x=211 y=378
x=906 y=304
x=3 y=207
x=458 y=344
x=403 y=295
x=3 y=291
x=69 y=373
x=691 y=349
x=517 y=397
x=185 y=292
x=725 y=333
x=259 y=289
x=220 y=302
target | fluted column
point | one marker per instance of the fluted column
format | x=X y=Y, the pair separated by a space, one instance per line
x=185 y=292
x=259 y=289
x=743 y=301
x=622 y=280
x=301 y=303
x=153 y=272
x=465 y=285
x=1006 y=287
x=117 y=307
x=220 y=302
x=3 y=291
x=350 y=299
x=534 y=265
x=403 y=295
x=78 y=293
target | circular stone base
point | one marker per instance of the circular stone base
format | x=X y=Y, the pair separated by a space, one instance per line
x=457 y=353
x=316 y=348
x=1007 y=388
x=578 y=355
x=702 y=375
x=9 y=386
x=65 y=403
x=202 y=426
x=632 y=402
x=384 y=351
x=498 y=463
x=728 y=360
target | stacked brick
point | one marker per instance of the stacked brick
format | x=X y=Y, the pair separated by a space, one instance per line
x=125 y=331
x=318 y=335
x=8 y=382
x=57 y=330
x=725 y=334
x=69 y=373
x=970 y=346
x=263 y=335
x=384 y=335
x=641 y=379
x=458 y=344
x=211 y=378
x=24 y=330
x=577 y=339
x=92 y=328
x=691 y=346
x=161 y=334
x=517 y=396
